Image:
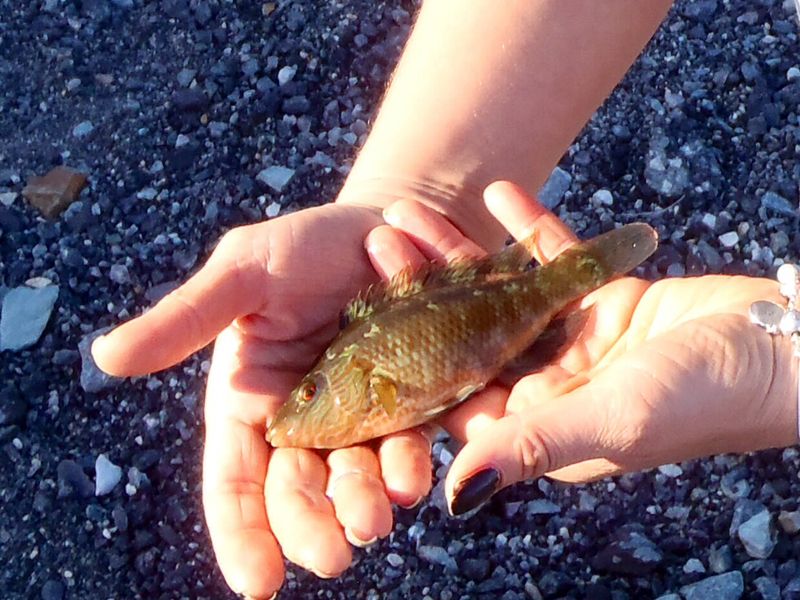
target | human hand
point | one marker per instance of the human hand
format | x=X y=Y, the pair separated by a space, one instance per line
x=271 y=294
x=662 y=372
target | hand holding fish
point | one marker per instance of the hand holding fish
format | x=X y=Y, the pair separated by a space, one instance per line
x=271 y=295
x=663 y=372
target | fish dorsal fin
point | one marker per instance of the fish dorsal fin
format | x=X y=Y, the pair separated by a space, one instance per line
x=511 y=260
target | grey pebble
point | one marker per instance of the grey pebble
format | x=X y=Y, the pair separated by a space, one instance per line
x=107 y=475
x=25 y=314
x=83 y=129
x=728 y=586
x=276 y=177
x=555 y=187
x=92 y=378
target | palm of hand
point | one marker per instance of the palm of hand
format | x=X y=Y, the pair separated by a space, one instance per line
x=271 y=294
x=652 y=338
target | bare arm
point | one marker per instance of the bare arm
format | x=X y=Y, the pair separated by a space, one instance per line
x=488 y=91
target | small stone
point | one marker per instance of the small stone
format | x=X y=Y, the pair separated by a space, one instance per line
x=25 y=314
x=13 y=407
x=120 y=518
x=119 y=274
x=217 y=129
x=81 y=130
x=789 y=521
x=542 y=507
x=147 y=194
x=72 y=481
x=779 y=204
x=107 y=475
x=793 y=74
x=56 y=190
x=185 y=77
x=7 y=198
x=52 y=590
x=757 y=535
x=555 y=187
x=286 y=74
x=729 y=239
x=73 y=84
x=676 y=270
x=767 y=589
x=728 y=586
x=693 y=565
x=586 y=501
x=395 y=560
x=475 y=569
x=182 y=140
x=273 y=209
x=438 y=556
x=602 y=198
x=189 y=100
x=632 y=554
x=275 y=177
x=720 y=560
x=710 y=221
x=92 y=378
x=671 y=470
x=298 y=105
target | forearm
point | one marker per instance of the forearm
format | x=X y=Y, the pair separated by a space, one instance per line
x=487 y=91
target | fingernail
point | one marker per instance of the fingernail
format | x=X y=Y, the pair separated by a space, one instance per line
x=322 y=575
x=357 y=541
x=390 y=217
x=410 y=505
x=473 y=491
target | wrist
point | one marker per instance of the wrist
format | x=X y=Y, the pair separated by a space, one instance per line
x=461 y=204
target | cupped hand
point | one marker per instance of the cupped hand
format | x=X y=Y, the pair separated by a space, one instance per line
x=662 y=372
x=271 y=295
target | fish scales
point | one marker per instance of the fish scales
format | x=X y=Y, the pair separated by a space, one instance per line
x=416 y=356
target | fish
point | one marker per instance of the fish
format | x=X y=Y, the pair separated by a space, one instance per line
x=425 y=341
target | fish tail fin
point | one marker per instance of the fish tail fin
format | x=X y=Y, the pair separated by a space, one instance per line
x=592 y=263
x=623 y=249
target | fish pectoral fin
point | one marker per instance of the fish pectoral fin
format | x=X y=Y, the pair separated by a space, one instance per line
x=461 y=396
x=383 y=391
x=559 y=336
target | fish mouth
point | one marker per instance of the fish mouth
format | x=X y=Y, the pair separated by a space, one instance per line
x=278 y=437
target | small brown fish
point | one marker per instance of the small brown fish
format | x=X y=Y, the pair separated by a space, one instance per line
x=421 y=344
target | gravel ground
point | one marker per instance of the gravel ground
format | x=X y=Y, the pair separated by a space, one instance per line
x=179 y=111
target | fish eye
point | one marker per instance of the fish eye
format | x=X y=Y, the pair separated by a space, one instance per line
x=308 y=391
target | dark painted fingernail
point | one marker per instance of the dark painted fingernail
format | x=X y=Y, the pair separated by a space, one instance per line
x=474 y=491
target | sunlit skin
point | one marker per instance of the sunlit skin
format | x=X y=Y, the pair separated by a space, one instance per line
x=665 y=372
x=515 y=84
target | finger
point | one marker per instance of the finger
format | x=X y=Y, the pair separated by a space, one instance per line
x=358 y=495
x=405 y=460
x=541 y=388
x=522 y=215
x=523 y=446
x=302 y=517
x=390 y=251
x=588 y=470
x=234 y=467
x=466 y=421
x=435 y=236
x=188 y=318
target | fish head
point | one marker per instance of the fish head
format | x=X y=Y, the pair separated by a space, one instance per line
x=323 y=409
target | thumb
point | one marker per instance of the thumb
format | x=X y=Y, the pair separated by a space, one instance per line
x=187 y=319
x=524 y=446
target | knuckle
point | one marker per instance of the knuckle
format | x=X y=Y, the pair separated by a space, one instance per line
x=533 y=452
